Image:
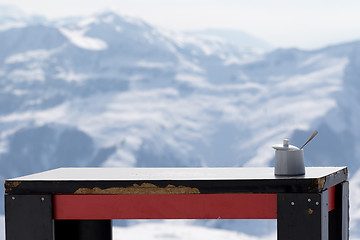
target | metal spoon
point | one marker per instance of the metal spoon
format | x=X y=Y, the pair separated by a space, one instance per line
x=310 y=138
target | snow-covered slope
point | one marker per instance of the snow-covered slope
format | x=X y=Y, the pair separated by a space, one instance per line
x=108 y=90
x=236 y=37
x=177 y=230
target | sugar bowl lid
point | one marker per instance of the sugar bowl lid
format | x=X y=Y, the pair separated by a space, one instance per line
x=285 y=146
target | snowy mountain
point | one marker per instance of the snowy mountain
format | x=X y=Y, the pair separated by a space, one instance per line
x=13 y=17
x=238 y=38
x=108 y=65
x=108 y=90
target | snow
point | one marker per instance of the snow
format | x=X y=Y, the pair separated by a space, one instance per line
x=190 y=79
x=43 y=116
x=148 y=64
x=10 y=11
x=108 y=19
x=87 y=21
x=134 y=21
x=78 y=38
x=179 y=231
x=12 y=17
x=70 y=76
x=10 y=25
x=28 y=75
x=164 y=114
x=35 y=55
x=186 y=65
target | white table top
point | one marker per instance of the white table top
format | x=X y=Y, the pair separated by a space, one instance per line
x=134 y=174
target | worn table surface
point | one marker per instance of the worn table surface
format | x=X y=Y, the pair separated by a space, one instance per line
x=190 y=180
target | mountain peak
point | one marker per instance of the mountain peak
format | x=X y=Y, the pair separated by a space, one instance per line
x=110 y=16
x=13 y=17
x=107 y=13
x=11 y=12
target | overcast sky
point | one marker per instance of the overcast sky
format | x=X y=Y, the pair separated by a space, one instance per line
x=306 y=24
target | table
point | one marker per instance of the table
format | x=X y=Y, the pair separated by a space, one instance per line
x=79 y=203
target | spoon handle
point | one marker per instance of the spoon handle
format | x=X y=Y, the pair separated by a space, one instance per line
x=310 y=138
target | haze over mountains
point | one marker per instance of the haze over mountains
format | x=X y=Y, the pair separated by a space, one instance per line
x=108 y=90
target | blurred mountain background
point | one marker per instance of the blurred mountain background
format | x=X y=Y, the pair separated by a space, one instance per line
x=114 y=91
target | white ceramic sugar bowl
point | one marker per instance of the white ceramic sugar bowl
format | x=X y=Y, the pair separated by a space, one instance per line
x=289 y=159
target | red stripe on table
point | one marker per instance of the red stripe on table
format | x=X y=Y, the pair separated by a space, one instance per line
x=162 y=206
x=331 y=198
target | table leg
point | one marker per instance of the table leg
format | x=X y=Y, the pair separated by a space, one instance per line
x=302 y=216
x=83 y=230
x=28 y=217
x=339 y=217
